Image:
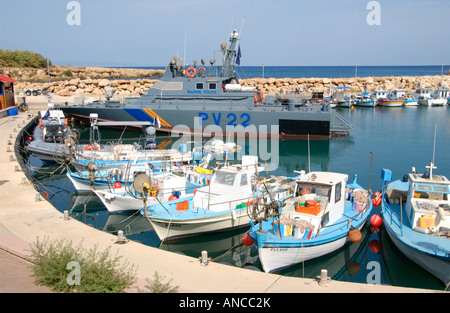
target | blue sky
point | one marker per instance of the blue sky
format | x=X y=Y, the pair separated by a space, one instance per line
x=283 y=32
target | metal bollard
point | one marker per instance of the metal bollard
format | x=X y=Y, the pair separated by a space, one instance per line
x=323 y=278
x=121 y=237
x=204 y=260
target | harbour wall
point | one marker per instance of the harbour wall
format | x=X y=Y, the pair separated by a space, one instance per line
x=135 y=82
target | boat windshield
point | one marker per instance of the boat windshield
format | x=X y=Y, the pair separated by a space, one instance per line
x=431 y=191
x=319 y=190
x=225 y=178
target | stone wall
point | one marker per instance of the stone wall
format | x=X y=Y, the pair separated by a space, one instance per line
x=91 y=81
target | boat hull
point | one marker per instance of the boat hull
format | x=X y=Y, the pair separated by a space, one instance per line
x=177 y=229
x=432 y=102
x=241 y=120
x=436 y=266
x=116 y=203
x=275 y=258
x=390 y=103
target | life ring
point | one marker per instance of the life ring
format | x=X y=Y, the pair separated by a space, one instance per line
x=201 y=71
x=90 y=147
x=191 y=72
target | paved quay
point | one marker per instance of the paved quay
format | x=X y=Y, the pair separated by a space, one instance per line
x=23 y=219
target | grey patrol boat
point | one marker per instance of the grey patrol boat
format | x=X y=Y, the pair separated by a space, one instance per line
x=199 y=98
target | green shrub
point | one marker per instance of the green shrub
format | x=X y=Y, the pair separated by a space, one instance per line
x=19 y=58
x=157 y=286
x=99 y=271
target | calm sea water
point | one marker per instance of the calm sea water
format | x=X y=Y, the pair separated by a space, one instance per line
x=336 y=71
x=394 y=138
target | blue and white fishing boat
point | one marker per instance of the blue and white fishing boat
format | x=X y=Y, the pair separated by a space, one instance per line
x=220 y=206
x=365 y=100
x=410 y=100
x=306 y=231
x=416 y=215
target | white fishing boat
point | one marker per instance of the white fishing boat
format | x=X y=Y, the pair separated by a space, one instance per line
x=218 y=207
x=426 y=97
x=167 y=186
x=416 y=215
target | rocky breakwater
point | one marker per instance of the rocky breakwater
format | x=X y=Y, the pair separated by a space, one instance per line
x=129 y=82
x=67 y=80
x=286 y=85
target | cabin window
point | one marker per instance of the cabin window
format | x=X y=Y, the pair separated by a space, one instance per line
x=244 y=180
x=1 y=88
x=225 y=178
x=338 y=193
x=199 y=86
x=212 y=86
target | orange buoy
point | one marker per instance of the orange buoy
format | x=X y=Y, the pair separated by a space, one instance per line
x=247 y=240
x=354 y=235
x=376 y=220
x=376 y=201
x=117 y=185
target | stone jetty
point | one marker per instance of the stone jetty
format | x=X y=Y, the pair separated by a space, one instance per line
x=68 y=81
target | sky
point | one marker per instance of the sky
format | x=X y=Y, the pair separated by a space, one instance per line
x=273 y=33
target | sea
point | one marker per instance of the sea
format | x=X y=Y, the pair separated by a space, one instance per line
x=245 y=72
x=383 y=138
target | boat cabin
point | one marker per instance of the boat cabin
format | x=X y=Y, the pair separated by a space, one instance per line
x=428 y=203
x=441 y=93
x=6 y=92
x=325 y=188
x=380 y=94
x=423 y=93
x=230 y=186
x=397 y=94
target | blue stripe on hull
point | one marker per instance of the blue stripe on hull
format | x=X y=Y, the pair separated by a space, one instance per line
x=139 y=115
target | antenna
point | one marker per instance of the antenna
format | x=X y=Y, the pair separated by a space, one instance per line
x=309 y=157
x=184 y=56
x=242 y=25
x=434 y=144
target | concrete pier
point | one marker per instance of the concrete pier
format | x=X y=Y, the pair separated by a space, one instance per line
x=23 y=220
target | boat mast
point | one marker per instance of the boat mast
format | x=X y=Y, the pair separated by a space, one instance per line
x=229 y=63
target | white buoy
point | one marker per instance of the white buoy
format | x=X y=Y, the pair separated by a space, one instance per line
x=37 y=197
x=66 y=215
